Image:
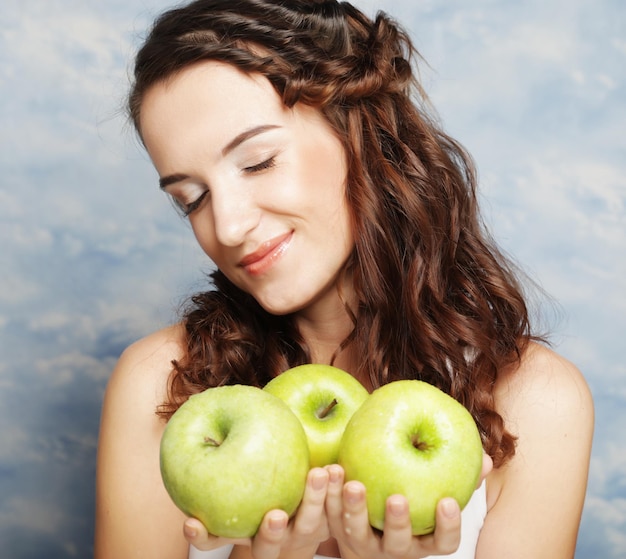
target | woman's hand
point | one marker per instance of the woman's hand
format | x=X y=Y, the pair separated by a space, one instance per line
x=278 y=536
x=346 y=509
x=330 y=508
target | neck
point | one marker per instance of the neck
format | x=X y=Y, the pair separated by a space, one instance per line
x=324 y=326
x=324 y=335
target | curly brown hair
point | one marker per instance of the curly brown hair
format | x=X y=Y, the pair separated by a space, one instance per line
x=437 y=300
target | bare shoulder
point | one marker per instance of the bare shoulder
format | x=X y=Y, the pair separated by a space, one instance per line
x=137 y=386
x=166 y=343
x=543 y=383
x=128 y=475
x=547 y=405
x=144 y=366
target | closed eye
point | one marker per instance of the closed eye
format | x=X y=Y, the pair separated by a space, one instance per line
x=267 y=164
x=192 y=206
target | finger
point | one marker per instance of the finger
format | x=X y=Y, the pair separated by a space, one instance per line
x=447 y=535
x=355 y=518
x=267 y=542
x=311 y=510
x=194 y=530
x=397 y=534
x=486 y=469
x=197 y=535
x=334 y=494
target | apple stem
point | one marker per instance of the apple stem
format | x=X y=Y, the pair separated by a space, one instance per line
x=419 y=444
x=211 y=442
x=327 y=409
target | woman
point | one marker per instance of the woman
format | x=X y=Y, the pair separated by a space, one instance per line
x=345 y=229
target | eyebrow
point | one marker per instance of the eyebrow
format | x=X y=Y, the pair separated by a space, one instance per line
x=164 y=182
x=246 y=135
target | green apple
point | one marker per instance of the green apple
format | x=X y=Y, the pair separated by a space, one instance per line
x=231 y=454
x=324 y=399
x=411 y=438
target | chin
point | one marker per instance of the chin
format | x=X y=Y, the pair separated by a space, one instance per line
x=279 y=309
x=281 y=306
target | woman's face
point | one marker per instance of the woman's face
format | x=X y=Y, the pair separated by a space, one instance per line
x=263 y=185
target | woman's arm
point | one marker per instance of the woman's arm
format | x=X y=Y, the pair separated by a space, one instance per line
x=535 y=500
x=135 y=516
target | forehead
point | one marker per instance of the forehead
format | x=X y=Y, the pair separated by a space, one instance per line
x=209 y=90
x=194 y=115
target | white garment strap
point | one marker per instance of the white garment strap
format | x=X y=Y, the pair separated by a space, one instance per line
x=472 y=520
x=224 y=552
x=219 y=553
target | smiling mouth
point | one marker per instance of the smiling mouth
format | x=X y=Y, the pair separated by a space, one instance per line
x=264 y=257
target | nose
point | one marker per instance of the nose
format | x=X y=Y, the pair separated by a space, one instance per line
x=235 y=214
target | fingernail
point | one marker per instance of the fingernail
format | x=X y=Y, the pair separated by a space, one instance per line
x=334 y=474
x=318 y=481
x=276 y=523
x=450 y=508
x=396 y=507
x=189 y=530
x=353 y=493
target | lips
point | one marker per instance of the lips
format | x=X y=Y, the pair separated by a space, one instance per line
x=264 y=257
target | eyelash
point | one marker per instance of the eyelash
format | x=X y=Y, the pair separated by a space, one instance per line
x=267 y=164
x=187 y=209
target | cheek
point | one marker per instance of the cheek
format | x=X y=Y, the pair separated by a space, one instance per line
x=205 y=235
x=324 y=177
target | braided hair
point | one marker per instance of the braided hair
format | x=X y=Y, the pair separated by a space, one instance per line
x=437 y=300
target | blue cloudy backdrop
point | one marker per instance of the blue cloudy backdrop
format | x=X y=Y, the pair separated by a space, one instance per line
x=92 y=255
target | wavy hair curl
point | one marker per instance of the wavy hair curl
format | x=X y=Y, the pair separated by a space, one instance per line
x=437 y=300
